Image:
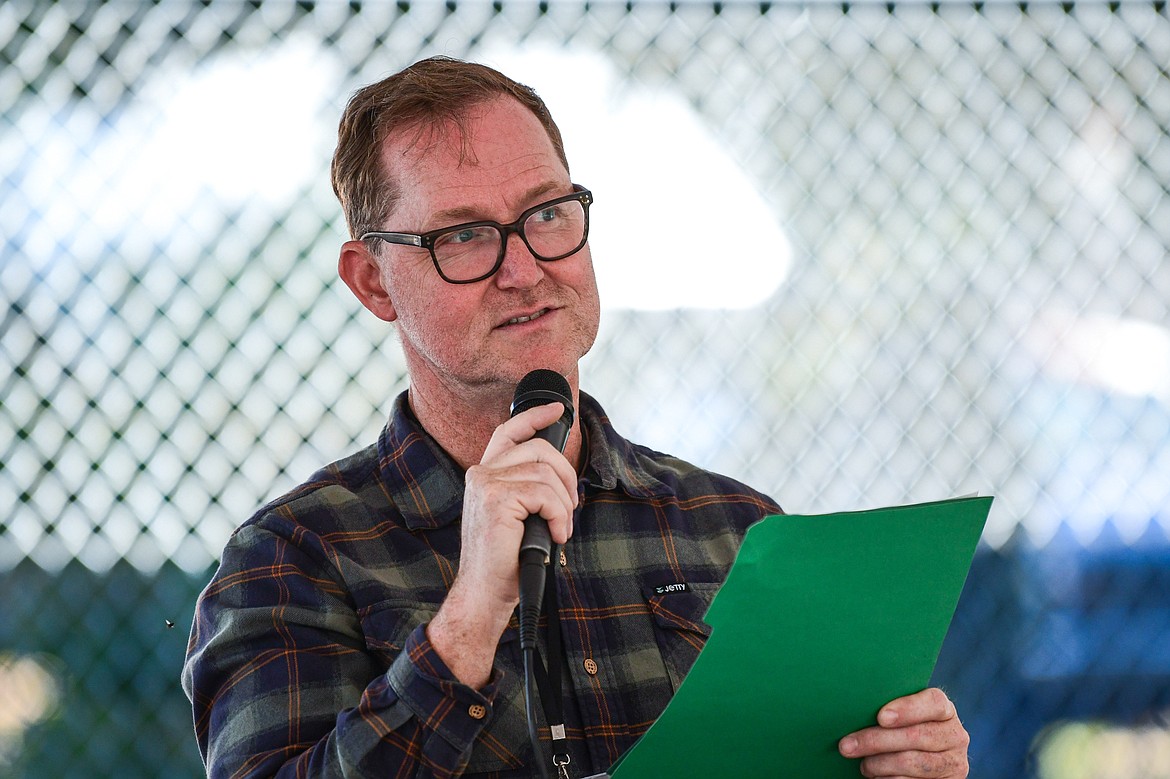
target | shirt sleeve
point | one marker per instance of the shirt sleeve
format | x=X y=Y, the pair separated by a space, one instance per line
x=283 y=681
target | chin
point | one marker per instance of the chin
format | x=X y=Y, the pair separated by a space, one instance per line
x=564 y=366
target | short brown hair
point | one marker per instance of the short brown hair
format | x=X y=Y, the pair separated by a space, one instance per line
x=429 y=91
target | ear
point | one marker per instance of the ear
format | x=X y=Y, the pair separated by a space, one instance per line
x=359 y=269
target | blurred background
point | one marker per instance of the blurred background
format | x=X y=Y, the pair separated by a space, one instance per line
x=854 y=254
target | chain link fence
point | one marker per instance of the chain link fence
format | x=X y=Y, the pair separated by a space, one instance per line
x=899 y=252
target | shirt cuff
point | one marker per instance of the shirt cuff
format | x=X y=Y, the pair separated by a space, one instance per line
x=441 y=702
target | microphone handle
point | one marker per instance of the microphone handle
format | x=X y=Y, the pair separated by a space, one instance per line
x=536 y=535
x=536 y=388
x=536 y=547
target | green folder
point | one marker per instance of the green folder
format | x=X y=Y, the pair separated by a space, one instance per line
x=822 y=620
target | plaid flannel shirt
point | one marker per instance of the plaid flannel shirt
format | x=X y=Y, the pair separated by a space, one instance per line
x=308 y=653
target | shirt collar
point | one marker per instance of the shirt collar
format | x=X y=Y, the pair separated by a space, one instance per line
x=426 y=486
x=614 y=462
x=421 y=480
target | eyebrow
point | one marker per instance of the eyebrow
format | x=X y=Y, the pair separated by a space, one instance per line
x=460 y=214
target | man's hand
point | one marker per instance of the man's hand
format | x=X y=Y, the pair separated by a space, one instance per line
x=517 y=476
x=917 y=736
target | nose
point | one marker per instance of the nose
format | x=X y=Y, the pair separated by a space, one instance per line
x=520 y=268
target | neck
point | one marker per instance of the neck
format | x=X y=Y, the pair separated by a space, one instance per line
x=462 y=420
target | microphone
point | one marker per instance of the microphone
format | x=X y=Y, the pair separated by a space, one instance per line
x=538 y=388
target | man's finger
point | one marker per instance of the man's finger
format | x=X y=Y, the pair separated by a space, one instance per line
x=911 y=765
x=925 y=737
x=525 y=424
x=931 y=705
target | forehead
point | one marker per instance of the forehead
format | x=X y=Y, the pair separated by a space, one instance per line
x=498 y=148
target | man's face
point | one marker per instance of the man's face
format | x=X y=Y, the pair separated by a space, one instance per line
x=530 y=314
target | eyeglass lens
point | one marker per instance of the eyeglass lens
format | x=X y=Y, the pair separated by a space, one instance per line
x=551 y=233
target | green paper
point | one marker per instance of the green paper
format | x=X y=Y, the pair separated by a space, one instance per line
x=822 y=621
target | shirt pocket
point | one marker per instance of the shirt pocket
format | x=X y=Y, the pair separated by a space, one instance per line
x=678 y=624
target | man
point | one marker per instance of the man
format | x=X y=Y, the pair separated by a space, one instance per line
x=363 y=623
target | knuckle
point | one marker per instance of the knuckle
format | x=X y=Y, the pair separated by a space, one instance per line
x=964 y=739
x=953 y=765
x=929 y=765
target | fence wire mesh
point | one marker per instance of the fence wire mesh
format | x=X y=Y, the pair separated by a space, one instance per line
x=953 y=279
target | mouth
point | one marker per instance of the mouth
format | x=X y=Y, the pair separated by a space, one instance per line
x=517 y=320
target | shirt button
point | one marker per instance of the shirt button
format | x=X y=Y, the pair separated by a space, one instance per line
x=590 y=667
x=476 y=711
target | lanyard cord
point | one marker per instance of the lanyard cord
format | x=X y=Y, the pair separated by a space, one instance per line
x=530 y=710
x=549 y=680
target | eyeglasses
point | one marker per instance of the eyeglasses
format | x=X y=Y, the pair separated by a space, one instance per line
x=473 y=251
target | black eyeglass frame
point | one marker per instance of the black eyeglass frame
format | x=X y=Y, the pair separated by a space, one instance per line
x=427 y=240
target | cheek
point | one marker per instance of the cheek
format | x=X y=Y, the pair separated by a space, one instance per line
x=430 y=319
x=409 y=292
x=590 y=299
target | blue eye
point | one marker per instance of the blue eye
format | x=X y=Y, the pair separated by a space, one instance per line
x=548 y=214
x=465 y=236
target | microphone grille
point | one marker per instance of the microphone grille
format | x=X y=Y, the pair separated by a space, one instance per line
x=541 y=386
x=543 y=379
